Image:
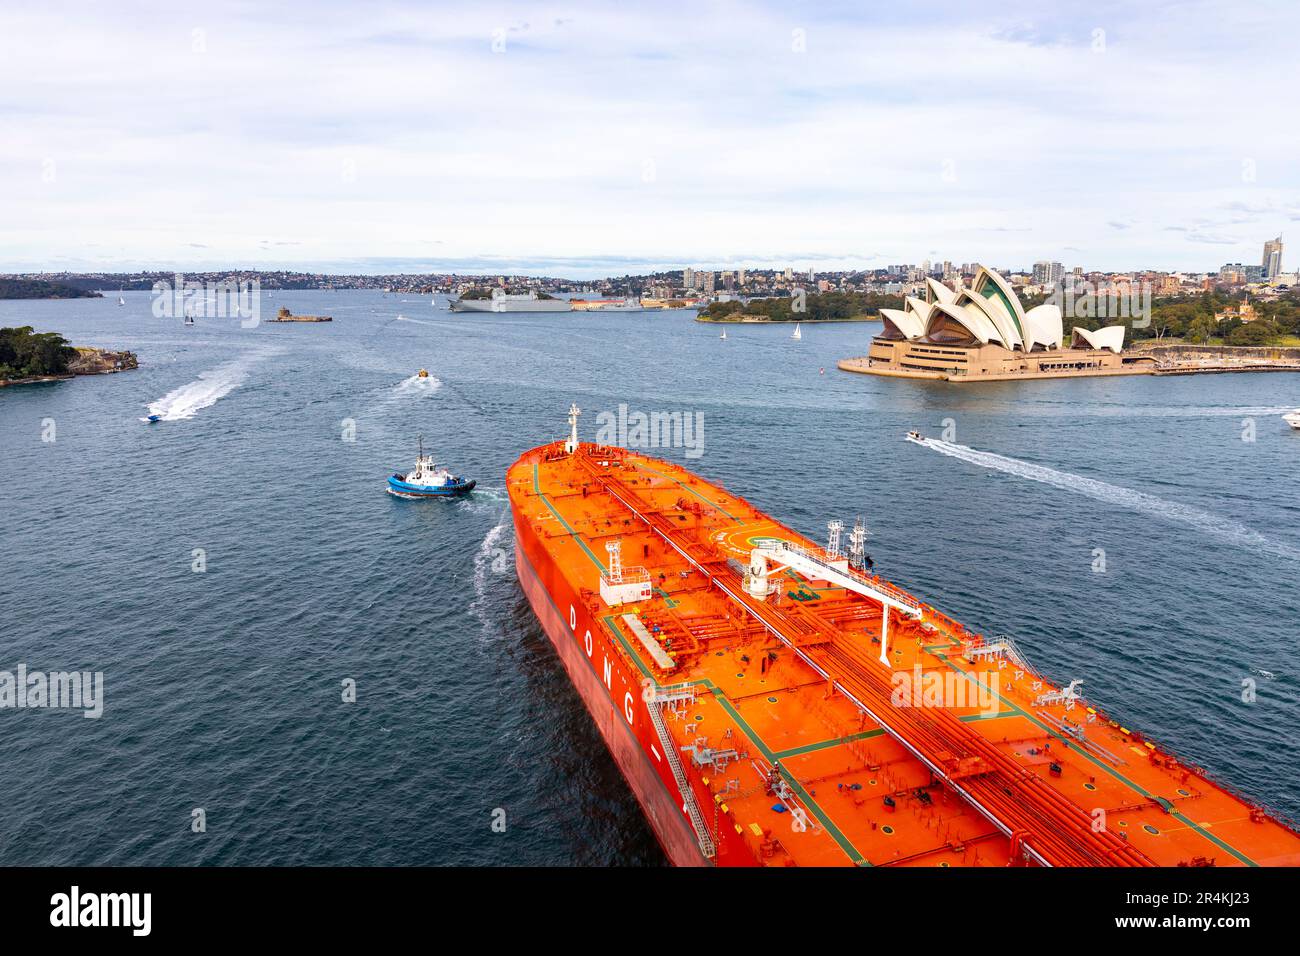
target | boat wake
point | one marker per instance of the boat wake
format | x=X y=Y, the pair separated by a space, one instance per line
x=209 y=388
x=416 y=386
x=407 y=390
x=1222 y=528
x=492 y=561
x=409 y=497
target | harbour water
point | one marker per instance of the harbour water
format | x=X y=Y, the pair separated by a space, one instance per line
x=1120 y=529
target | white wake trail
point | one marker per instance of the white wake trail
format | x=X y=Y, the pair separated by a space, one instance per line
x=491 y=561
x=1222 y=528
x=209 y=388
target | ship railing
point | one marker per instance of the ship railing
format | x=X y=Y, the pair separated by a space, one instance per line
x=895 y=593
x=698 y=823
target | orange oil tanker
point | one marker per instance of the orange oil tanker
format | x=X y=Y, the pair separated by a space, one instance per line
x=771 y=702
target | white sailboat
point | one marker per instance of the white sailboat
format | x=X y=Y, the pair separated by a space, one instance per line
x=120 y=300
x=798 y=333
x=723 y=335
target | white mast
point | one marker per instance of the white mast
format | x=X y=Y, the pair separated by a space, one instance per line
x=833 y=542
x=571 y=445
x=857 y=545
x=615 y=549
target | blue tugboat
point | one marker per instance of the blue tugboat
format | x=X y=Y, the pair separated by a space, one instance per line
x=427 y=480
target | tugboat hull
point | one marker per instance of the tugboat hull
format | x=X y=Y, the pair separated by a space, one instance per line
x=396 y=483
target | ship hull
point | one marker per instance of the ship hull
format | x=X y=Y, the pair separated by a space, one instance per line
x=791 y=713
x=661 y=805
x=508 y=305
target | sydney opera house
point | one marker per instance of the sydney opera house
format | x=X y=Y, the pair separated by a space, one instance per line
x=984 y=332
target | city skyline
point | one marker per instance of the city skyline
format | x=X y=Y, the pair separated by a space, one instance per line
x=583 y=142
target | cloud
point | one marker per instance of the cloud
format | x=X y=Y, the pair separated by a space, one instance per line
x=633 y=133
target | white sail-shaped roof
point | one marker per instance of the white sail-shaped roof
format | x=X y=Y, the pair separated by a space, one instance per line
x=974 y=321
x=936 y=291
x=992 y=286
x=996 y=314
x=1111 y=337
x=918 y=307
x=908 y=325
x=1043 y=326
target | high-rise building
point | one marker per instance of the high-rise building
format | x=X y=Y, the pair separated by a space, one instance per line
x=1237 y=272
x=740 y=277
x=688 y=278
x=1272 y=258
x=1048 y=273
x=705 y=280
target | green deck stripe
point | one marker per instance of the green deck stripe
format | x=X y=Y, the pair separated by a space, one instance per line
x=1107 y=768
x=827 y=744
x=827 y=824
x=711 y=504
x=864 y=735
x=560 y=518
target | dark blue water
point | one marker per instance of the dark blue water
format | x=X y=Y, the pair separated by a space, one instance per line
x=223 y=688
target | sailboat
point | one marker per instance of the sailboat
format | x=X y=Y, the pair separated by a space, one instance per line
x=120 y=300
x=797 y=333
x=723 y=335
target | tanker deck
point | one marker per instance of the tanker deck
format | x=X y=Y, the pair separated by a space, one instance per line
x=771 y=703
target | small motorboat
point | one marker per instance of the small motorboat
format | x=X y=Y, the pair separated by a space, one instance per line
x=915 y=437
x=1293 y=419
x=153 y=419
x=428 y=480
x=422 y=373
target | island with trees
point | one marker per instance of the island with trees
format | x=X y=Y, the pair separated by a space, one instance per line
x=12 y=288
x=28 y=356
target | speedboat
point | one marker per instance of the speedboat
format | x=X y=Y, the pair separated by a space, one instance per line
x=915 y=437
x=422 y=373
x=1293 y=419
x=428 y=480
x=153 y=419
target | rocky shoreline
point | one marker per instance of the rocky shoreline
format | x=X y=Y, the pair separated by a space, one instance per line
x=88 y=361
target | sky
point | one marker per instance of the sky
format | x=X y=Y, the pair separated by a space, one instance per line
x=585 y=140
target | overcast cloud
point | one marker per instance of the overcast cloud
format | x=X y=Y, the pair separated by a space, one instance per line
x=582 y=139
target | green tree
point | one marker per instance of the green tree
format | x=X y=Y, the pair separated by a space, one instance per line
x=1200 y=329
x=1259 y=332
